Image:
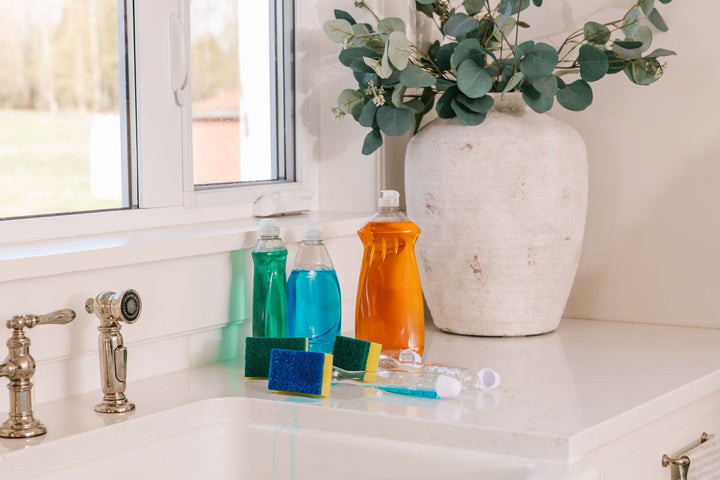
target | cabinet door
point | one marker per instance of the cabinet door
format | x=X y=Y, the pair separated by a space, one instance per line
x=638 y=455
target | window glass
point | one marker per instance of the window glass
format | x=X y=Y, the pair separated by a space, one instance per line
x=61 y=132
x=234 y=105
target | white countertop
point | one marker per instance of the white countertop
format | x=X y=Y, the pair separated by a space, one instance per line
x=562 y=394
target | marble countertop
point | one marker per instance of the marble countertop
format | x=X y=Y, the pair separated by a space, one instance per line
x=562 y=394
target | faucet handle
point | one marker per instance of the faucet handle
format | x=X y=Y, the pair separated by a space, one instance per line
x=18 y=322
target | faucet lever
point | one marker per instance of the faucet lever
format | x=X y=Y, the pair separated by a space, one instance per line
x=59 y=317
x=19 y=367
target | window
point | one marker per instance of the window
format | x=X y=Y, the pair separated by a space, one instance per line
x=60 y=117
x=68 y=117
x=235 y=94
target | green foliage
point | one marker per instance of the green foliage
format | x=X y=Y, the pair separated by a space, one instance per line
x=399 y=83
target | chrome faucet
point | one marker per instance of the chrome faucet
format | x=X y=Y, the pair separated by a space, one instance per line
x=19 y=367
x=112 y=308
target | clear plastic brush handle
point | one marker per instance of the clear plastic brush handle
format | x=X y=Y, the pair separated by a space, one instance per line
x=421 y=384
x=483 y=379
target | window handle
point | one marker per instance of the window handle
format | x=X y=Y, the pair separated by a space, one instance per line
x=179 y=77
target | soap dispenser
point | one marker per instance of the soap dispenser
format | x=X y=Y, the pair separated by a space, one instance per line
x=314 y=309
x=389 y=308
x=269 y=283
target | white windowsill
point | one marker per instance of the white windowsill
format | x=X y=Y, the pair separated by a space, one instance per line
x=89 y=252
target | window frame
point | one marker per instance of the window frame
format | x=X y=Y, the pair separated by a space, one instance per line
x=167 y=195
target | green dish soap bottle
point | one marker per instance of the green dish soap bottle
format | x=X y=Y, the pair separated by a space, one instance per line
x=269 y=283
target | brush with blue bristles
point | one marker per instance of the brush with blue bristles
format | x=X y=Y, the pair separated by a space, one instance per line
x=312 y=373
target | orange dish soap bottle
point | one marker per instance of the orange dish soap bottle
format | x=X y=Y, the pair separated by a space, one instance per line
x=389 y=307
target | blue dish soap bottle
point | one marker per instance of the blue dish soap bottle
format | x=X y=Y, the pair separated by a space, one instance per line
x=314 y=309
x=269 y=283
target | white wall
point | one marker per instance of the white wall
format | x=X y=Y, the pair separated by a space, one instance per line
x=652 y=242
x=652 y=245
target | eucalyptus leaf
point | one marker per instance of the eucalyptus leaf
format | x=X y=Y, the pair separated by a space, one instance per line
x=473 y=81
x=398 y=50
x=460 y=24
x=385 y=66
x=536 y=100
x=398 y=95
x=539 y=61
x=338 y=30
x=372 y=142
x=515 y=5
x=547 y=85
x=377 y=67
x=473 y=7
x=477 y=105
x=351 y=101
x=657 y=20
x=521 y=49
x=537 y=3
x=390 y=24
x=425 y=2
x=444 y=55
x=665 y=1
x=367 y=114
x=616 y=63
x=415 y=77
x=443 y=106
x=645 y=36
x=349 y=54
x=359 y=65
x=575 y=96
x=628 y=44
x=467 y=116
x=416 y=105
x=596 y=33
x=593 y=63
x=514 y=81
x=647 y=6
x=358 y=40
x=627 y=53
x=394 y=121
x=468 y=48
x=644 y=71
x=631 y=22
x=660 y=52
x=344 y=15
x=444 y=85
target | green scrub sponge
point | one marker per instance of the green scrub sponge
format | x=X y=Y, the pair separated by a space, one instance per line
x=257 y=353
x=356 y=355
x=304 y=373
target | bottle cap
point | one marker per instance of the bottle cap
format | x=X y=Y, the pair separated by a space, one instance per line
x=389 y=198
x=313 y=233
x=268 y=228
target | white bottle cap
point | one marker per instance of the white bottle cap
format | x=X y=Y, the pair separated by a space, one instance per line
x=314 y=233
x=268 y=228
x=489 y=379
x=389 y=198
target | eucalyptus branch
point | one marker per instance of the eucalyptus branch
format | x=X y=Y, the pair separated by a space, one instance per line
x=362 y=4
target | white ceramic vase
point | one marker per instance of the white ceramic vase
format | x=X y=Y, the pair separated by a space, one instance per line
x=502 y=210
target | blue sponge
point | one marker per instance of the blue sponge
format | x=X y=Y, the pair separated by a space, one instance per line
x=305 y=373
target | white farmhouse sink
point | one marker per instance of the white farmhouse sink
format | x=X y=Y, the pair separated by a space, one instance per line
x=247 y=438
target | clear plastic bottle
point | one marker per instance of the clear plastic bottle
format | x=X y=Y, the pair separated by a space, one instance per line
x=389 y=306
x=269 y=283
x=314 y=309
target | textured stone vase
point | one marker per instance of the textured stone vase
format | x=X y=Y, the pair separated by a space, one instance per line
x=502 y=210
